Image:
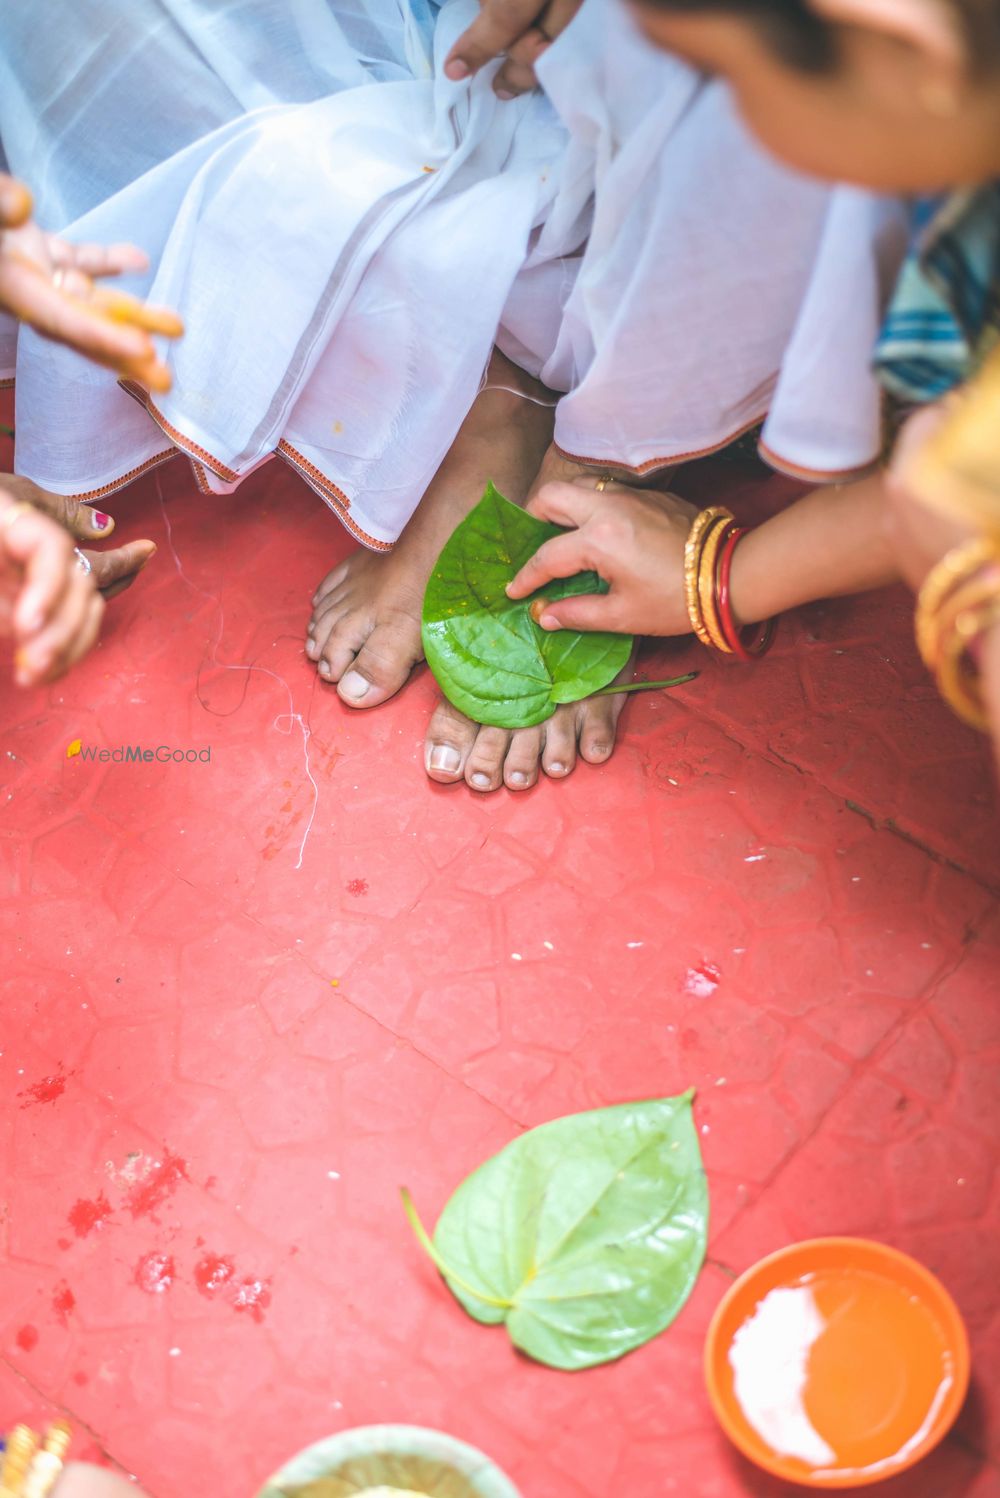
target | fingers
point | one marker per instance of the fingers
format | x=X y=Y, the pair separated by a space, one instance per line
x=566 y=504
x=495 y=29
x=33 y=298
x=45 y=553
x=588 y=612
x=15 y=202
x=69 y=632
x=82 y=522
x=97 y=259
x=514 y=79
x=563 y=556
x=517 y=76
x=122 y=308
x=116 y=570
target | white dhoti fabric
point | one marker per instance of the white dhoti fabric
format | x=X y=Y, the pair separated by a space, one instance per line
x=346 y=234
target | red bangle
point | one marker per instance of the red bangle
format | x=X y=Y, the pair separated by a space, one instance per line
x=761 y=635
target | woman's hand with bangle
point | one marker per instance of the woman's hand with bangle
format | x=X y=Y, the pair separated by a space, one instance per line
x=633 y=538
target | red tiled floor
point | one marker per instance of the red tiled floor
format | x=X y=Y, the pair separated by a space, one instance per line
x=220 y=1065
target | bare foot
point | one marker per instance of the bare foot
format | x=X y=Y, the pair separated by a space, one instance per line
x=113 y=570
x=485 y=758
x=364 y=634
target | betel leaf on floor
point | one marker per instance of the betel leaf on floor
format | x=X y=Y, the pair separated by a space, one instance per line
x=489 y=656
x=585 y=1235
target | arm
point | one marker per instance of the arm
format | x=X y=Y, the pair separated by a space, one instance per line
x=831 y=542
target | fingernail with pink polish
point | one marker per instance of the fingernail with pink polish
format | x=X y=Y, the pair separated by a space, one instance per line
x=101 y=521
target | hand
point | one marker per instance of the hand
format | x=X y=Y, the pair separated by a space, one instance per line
x=50 y=285
x=48 y=604
x=521 y=29
x=919 y=536
x=83 y=1480
x=113 y=570
x=633 y=538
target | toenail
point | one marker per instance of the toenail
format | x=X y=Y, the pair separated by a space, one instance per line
x=517 y=777
x=324 y=668
x=312 y=627
x=444 y=757
x=481 y=780
x=354 y=685
x=557 y=767
x=312 y=649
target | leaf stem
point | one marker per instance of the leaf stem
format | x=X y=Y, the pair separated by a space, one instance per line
x=646 y=686
x=425 y=1242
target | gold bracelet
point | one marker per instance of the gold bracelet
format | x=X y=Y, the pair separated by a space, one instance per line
x=701 y=526
x=708 y=585
x=969 y=614
x=32 y=1468
x=959 y=566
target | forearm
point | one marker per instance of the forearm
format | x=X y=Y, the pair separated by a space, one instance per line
x=830 y=543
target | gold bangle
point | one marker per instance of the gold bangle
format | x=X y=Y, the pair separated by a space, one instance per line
x=31 y=1469
x=708 y=585
x=700 y=528
x=954 y=569
x=19 y=1451
x=957 y=674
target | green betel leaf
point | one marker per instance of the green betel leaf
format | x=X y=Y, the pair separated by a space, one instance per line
x=585 y=1235
x=489 y=656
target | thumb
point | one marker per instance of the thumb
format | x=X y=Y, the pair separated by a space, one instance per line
x=15 y=202
x=586 y=612
x=82 y=522
x=116 y=570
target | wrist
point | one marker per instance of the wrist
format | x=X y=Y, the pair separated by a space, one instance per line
x=748 y=585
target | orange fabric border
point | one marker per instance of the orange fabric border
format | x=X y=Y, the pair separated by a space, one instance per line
x=338 y=502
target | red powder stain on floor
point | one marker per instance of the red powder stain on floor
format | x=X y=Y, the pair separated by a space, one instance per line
x=701 y=982
x=81 y=1380
x=63 y=1243
x=27 y=1338
x=357 y=887
x=212 y=1273
x=253 y=1297
x=155 y=1273
x=47 y=1090
x=86 y=1215
x=215 y=1276
x=63 y=1302
x=146 y=1196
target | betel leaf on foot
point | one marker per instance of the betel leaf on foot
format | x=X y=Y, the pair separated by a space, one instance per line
x=585 y=1235
x=490 y=658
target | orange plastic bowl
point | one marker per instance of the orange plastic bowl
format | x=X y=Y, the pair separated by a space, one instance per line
x=837 y=1363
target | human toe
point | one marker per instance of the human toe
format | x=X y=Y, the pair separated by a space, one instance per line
x=484 y=768
x=559 y=753
x=450 y=737
x=598 y=724
x=524 y=754
x=383 y=664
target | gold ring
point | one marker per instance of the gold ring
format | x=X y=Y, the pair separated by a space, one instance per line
x=17 y=509
x=602 y=483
